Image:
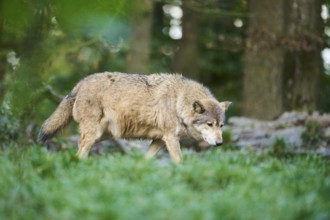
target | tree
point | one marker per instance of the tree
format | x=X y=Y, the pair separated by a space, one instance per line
x=2 y=57
x=138 y=55
x=264 y=60
x=303 y=63
x=52 y=36
x=283 y=62
x=186 y=57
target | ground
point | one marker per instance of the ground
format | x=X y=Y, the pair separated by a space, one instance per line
x=215 y=184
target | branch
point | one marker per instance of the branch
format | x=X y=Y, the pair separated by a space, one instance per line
x=52 y=94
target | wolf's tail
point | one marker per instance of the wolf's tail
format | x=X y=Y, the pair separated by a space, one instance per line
x=60 y=117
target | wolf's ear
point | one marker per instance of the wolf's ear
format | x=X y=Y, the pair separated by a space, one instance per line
x=224 y=105
x=198 y=107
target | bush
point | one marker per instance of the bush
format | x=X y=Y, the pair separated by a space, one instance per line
x=313 y=136
x=216 y=184
x=9 y=125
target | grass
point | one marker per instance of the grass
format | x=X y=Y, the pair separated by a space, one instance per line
x=37 y=184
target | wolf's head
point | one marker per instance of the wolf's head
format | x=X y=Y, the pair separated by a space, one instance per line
x=207 y=120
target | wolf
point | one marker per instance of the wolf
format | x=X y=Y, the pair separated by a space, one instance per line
x=161 y=107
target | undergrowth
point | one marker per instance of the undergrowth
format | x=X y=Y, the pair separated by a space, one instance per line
x=215 y=184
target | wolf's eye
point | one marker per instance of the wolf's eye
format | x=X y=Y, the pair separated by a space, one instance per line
x=221 y=125
x=209 y=124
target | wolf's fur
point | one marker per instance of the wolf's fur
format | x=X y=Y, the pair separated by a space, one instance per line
x=161 y=107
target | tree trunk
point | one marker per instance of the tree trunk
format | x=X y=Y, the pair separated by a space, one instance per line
x=303 y=66
x=264 y=60
x=186 y=57
x=2 y=56
x=283 y=65
x=138 y=56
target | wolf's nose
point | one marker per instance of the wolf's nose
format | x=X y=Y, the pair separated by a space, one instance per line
x=219 y=143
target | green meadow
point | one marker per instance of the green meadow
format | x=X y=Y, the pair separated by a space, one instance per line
x=215 y=184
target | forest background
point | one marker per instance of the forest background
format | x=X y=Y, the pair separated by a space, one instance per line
x=266 y=57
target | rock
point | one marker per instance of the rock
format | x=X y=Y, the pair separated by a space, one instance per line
x=131 y=145
x=124 y=146
x=261 y=138
x=245 y=123
x=288 y=119
x=256 y=143
x=245 y=132
x=291 y=136
x=322 y=119
x=289 y=127
x=327 y=132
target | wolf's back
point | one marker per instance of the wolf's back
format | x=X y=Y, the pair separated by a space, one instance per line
x=60 y=117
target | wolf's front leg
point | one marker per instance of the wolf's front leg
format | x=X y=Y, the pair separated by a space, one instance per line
x=173 y=147
x=154 y=147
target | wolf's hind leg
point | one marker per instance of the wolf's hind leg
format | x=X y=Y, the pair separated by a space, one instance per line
x=89 y=135
x=154 y=148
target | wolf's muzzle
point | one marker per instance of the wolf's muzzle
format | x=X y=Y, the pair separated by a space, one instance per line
x=218 y=143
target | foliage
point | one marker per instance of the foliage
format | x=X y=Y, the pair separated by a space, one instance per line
x=278 y=148
x=313 y=134
x=222 y=45
x=9 y=125
x=228 y=140
x=57 y=43
x=37 y=184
